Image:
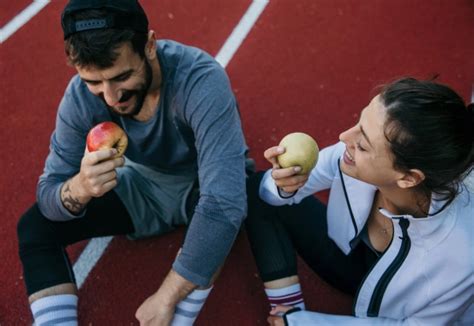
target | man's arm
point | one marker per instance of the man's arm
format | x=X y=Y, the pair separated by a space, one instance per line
x=60 y=194
x=211 y=111
x=96 y=177
x=70 y=197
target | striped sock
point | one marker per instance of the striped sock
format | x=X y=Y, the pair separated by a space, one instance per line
x=287 y=296
x=187 y=310
x=55 y=309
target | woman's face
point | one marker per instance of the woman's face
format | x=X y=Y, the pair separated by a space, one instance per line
x=367 y=156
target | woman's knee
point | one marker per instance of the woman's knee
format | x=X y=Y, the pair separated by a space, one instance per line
x=253 y=184
x=260 y=214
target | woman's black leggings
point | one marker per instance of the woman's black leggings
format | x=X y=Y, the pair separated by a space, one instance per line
x=276 y=233
x=42 y=242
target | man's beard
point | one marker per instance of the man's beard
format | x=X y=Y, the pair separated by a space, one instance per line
x=140 y=94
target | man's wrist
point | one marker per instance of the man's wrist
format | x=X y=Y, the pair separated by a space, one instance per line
x=174 y=289
x=72 y=198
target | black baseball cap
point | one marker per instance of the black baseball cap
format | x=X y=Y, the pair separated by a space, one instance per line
x=120 y=14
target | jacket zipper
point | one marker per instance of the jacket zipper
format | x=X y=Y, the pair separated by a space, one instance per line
x=382 y=284
x=347 y=199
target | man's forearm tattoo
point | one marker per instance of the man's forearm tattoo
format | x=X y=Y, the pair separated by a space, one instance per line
x=71 y=203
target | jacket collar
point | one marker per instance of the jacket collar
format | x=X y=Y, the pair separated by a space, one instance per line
x=430 y=229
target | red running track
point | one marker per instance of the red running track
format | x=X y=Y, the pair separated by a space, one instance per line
x=307 y=65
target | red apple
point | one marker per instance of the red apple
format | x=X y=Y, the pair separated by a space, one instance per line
x=107 y=135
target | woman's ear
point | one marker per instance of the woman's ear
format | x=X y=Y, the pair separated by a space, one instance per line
x=411 y=179
x=150 y=46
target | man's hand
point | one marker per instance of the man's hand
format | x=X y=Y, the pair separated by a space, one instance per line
x=158 y=310
x=96 y=177
x=274 y=319
x=154 y=312
x=286 y=179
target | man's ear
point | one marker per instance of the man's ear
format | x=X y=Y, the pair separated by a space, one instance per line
x=150 y=46
x=411 y=179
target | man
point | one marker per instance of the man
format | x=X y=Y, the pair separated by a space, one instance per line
x=185 y=162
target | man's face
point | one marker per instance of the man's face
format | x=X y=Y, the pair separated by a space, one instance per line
x=124 y=86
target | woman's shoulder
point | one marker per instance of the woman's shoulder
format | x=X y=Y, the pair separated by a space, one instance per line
x=465 y=199
x=332 y=153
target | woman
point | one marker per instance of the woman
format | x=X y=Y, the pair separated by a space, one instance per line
x=397 y=232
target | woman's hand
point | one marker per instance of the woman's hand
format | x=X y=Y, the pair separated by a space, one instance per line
x=286 y=179
x=274 y=319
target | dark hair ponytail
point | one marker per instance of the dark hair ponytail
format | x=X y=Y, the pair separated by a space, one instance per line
x=470 y=110
x=430 y=128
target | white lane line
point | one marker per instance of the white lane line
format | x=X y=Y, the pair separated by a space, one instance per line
x=96 y=247
x=89 y=257
x=21 y=19
x=240 y=32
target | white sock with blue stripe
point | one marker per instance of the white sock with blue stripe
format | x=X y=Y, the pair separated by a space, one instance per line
x=55 y=309
x=188 y=309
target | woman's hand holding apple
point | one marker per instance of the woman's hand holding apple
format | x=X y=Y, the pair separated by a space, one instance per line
x=287 y=179
x=292 y=160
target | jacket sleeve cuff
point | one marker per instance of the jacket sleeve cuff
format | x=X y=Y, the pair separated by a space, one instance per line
x=284 y=194
x=289 y=312
x=271 y=194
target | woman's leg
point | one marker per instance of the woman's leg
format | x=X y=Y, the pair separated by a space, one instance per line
x=270 y=242
x=277 y=233
x=273 y=250
x=306 y=226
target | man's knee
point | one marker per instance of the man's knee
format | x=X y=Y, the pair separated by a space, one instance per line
x=32 y=226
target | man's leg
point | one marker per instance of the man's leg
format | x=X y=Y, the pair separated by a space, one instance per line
x=47 y=270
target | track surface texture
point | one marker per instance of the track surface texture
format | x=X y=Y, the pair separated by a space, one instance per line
x=306 y=65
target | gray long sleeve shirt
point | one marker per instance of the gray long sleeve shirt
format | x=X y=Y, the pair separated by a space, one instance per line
x=196 y=130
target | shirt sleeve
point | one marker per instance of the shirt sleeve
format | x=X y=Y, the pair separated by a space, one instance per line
x=320 y=178
x=63 y=161
x=211 y=111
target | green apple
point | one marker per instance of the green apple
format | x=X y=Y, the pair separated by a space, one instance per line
x=300 y=150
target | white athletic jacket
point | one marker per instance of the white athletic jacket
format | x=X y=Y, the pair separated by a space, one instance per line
x=425 y=277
